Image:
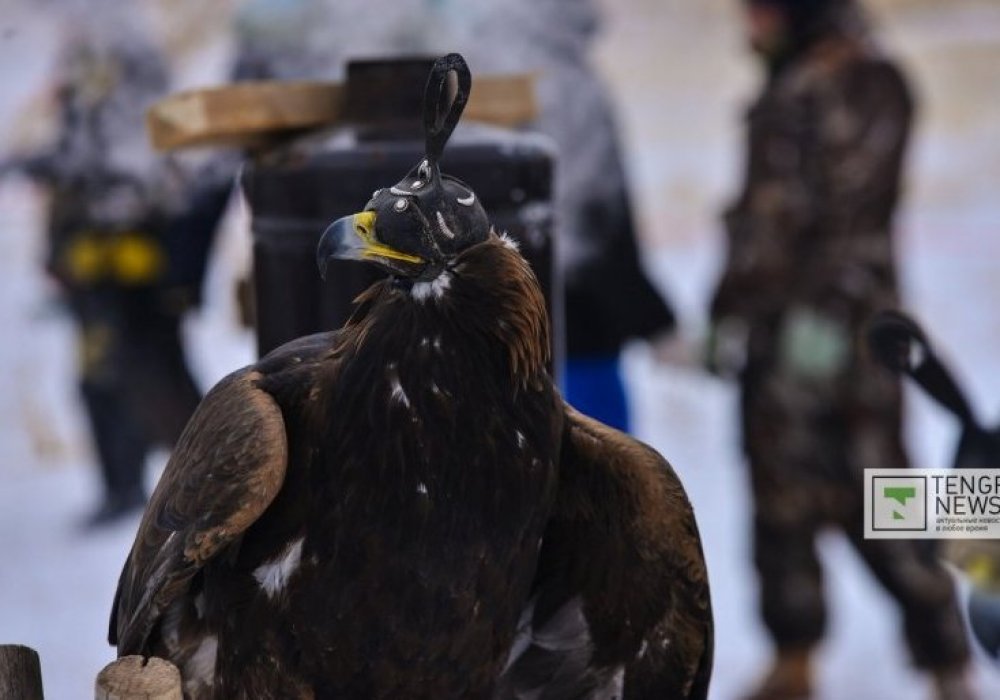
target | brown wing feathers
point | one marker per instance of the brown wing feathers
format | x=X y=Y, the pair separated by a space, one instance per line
x=226 y=469
x=622 y=542
x=658 y=582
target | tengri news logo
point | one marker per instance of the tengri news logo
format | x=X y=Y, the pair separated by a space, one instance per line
x=932 y=504
x=898 y=503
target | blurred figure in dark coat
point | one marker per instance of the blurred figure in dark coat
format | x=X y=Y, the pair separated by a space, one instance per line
x=810 y=257
x=608 y=297
x=128 y=244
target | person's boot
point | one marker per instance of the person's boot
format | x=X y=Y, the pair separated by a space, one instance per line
x=952 y=684
x=789 y=678
x=121 y=451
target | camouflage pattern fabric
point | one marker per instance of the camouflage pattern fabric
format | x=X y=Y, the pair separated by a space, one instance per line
x=809 y=259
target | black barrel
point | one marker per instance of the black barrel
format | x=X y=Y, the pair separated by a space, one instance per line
x=295 y=191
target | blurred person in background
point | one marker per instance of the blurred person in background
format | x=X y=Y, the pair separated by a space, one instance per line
x=810 y=257
x=607 y=296
x=128 y=240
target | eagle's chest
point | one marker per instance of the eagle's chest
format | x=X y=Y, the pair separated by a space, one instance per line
x=425 y=444
x=418 y=523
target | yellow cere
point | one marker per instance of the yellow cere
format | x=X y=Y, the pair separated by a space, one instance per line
x=364 y=226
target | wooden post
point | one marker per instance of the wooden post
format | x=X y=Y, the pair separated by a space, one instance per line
x=138 y=678
x=20 y=673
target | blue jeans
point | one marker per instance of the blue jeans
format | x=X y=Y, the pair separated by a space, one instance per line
x=594 y=387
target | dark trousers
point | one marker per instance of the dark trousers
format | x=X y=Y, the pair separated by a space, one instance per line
x=808 y=444
x=134 y=381
x=595 y=387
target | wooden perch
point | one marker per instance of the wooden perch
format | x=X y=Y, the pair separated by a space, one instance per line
x=253 y=113
x=137 y=678
x=20 y=673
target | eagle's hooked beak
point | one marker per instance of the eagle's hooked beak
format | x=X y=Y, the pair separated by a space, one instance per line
x=353 y=238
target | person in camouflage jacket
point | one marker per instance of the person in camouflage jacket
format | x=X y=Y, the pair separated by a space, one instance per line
x=810 y=258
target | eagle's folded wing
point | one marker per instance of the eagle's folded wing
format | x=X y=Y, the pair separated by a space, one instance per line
x=621 y=604
x=224 y=472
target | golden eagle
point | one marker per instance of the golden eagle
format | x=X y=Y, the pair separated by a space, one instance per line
x=405 y=507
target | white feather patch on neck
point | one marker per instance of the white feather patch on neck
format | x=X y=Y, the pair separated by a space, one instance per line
x=435 y=289
x=509 y=242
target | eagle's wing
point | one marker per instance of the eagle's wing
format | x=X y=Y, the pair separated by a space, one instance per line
x=621 y=605
x=226 y=469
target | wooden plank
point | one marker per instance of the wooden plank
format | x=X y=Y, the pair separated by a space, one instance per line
x=253 y=113
x=503 y=100
x=241 y=113
x=20 y=673
x=138 y=678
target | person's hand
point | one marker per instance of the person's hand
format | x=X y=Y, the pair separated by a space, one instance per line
x=675 y=349
x=725 y=349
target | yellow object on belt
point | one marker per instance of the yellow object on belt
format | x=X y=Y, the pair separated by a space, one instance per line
x=131 y=258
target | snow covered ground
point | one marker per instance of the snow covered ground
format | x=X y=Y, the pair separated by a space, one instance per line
x=56 y=583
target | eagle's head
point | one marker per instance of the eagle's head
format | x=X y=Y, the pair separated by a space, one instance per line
x=415 y=227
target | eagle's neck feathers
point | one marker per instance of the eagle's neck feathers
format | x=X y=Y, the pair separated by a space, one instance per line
x=488 y=297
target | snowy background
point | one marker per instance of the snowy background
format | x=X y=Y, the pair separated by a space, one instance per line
x=681 y=76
